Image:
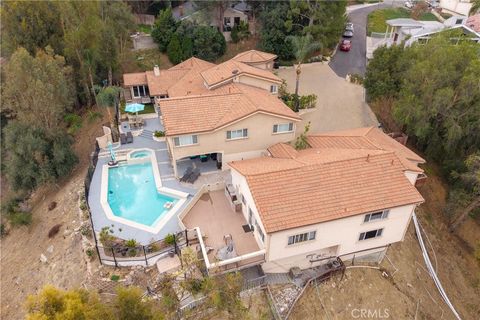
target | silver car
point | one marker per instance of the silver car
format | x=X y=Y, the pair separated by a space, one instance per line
x=349 y=27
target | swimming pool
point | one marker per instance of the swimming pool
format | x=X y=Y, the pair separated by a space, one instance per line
x=140 y=154
x=133 y=195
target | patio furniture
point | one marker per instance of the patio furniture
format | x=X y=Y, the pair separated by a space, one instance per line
x=203 y=158
x=139 y=121
x=186 y=174
x=123 y=138
x=194 y=176
x=227 y=252
x=129 y=137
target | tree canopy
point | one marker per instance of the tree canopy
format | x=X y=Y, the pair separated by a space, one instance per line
x=164 y=28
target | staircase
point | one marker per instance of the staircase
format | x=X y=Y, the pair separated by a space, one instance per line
x=147 y=134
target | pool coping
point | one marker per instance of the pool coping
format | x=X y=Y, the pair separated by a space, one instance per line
x=162 y=220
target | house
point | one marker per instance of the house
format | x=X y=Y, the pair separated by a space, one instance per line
x=409 y=31
x=351 y=193
x=456 y=6
x=232 y=16
x=474 y=22
x=223 y=112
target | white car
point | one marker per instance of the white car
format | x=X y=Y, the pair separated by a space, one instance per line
x=349 y=27
x=409 y=4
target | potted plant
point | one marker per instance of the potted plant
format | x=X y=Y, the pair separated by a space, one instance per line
x=159 y=135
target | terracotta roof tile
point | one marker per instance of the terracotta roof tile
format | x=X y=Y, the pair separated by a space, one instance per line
x=229 y=69
x=290 y=194
x=254 y=56
x=282 y=150
x=133 y=79
x=202 y=113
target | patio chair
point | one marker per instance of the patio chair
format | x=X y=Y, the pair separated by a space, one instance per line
x=140 y=122
x=194 y=176
x=129 y=137
x=186 y=174
x=123 y=138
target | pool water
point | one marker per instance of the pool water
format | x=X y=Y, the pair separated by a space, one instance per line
x=140 y=154
x=133 y=195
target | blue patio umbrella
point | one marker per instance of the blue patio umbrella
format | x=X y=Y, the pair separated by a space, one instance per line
x=134 y=107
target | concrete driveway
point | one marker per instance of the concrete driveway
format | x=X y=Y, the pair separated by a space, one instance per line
x=340 y=104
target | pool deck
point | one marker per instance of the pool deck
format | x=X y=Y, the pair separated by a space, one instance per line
x=99 y=217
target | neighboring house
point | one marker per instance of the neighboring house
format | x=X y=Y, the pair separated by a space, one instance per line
x=474 y=22
x=228 y=112
x=456 y=6
x=410 y=31
x=232 y=16
x=258 y=59
x=352 y=193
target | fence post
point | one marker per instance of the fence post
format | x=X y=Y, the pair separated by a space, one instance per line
x=114 y=259
x=186 y=236
x=145 y=254
x=175 y=244
x=353 y=260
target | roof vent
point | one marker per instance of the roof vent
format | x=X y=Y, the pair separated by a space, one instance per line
x=234 y=71
x=368 y=157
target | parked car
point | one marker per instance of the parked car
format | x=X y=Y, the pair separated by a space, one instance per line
x=348 y=34
x=433 y=4
x=349 y=27
x=408 y=4
x=345 y=45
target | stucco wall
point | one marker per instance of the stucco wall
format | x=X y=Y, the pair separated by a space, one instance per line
x=260 y=136
x=456 y=6
x=411 y=176
x=256 y=82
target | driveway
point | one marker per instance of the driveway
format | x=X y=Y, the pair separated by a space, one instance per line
x=355 y=60
x=340 y=104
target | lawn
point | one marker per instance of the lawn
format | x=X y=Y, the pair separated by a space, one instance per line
x=149 y=108
x=144 y=28
x=377 y=19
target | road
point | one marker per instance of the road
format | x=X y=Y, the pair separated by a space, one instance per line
x=355 y=60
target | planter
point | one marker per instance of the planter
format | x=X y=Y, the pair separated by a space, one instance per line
x=159 y=139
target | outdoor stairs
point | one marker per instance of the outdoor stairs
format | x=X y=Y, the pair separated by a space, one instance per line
x=147 y=134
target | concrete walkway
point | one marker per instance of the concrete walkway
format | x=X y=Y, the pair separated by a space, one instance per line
x=340 y=104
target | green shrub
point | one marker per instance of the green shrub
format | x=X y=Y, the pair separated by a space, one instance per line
x=356 y=78
x=90 y=252
x=131 y=243
x=170 y=239
x=3 y=230
x=159 y=133
x=105 y=237
x=85 y=230
x=20 y=218
x=174 y=50
x=115 y=277
x=132 y=252
x=74 y=122
x=240 y=32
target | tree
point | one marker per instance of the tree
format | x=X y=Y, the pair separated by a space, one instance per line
x=39 y=90
x=174 y=50
x=240 y=32
x=35 y=156
x=164 y=28
x=303 y=47
x=217 y=8
x=128 y=305
x=108 y=97
x=52 y=303
x=208 y=43
x=31 y=25
x=274 y=31
x=301 y=142
x=223 y=294
x=475 y=8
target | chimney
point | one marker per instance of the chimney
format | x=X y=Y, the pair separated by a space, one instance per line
x=156 y=70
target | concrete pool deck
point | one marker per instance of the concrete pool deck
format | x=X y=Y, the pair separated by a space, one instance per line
x=125 y=231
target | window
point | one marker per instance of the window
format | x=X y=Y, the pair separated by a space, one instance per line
x=376 y=216
x=260 y=232
x=250 y=217
x=302 y=237
x=226 y=20
x=237 y=134
x=370 y=234
x=244 y=201
x=273 y=89
x=459 y=21
x=185 y=140
x=283 y=127
x=140 y=91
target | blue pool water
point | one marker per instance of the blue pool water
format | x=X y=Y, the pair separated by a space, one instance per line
x=132 y=194
x=140 y=154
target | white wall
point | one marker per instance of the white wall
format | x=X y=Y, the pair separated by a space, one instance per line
x=411 y=176
x=456 y=6
x=240 y=184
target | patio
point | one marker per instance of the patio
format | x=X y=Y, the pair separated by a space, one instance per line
x=215 y=218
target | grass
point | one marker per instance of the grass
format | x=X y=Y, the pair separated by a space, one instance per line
x=149 y=108
x=144 y=28
x=377 y=19
x=143 y=60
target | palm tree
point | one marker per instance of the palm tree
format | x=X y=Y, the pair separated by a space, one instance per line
x=303 y=46
x=475 y=7
x=107 y=98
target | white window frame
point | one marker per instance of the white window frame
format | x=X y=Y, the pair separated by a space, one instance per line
x=376 y=216
x=242 y=134
x=177 y=141
x=142 y=92
x=290 y=128
x=273 y=88
x=378 y=233
x=301 y=237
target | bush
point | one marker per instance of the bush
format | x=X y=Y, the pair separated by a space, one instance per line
x=85 y=230
x=105 y=237
x=240 y=32
x=115 y=277
x=131 y=243
x=159 y=133
x=74 y=122
x=20 y=218
x=3 y=230
x=163 y=29
x=90 y=252
x=208 y=43
x=174 y=50
x=170 y=239
x=356 y=78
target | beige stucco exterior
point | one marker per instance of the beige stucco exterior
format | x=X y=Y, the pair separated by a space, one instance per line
x=260 y=137
x=257 y=82
x=333 y=238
